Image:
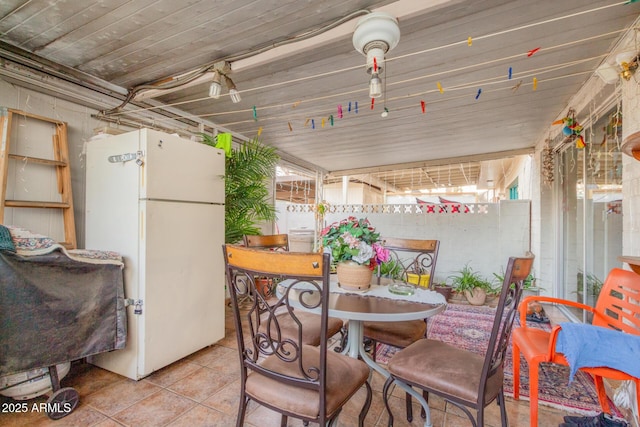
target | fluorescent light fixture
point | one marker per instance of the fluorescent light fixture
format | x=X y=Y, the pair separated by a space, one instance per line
x=375 y=86
x=233 y=92
x=215 y=89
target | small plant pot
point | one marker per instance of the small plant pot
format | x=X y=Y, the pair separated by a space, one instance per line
x=264 y=286
x=477 y=296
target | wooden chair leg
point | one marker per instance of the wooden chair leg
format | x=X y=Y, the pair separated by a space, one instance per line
x=409 y=407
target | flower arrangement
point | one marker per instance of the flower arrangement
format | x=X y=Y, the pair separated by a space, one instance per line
x=354 y=240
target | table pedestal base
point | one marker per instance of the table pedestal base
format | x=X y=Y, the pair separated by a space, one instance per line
x=355 y=348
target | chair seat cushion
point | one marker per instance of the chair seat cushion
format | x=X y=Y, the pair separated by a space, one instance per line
x=397 y=334
x=422 y=364
x=345 y=375
x=310 y=326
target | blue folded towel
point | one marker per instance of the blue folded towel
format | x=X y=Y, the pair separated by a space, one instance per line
x=591 y=346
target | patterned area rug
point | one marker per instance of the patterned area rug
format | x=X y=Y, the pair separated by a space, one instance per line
x=468 y=327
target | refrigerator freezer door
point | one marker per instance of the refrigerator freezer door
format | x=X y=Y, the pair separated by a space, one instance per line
x=169 y=171
x=112 y=223
x=182 y=281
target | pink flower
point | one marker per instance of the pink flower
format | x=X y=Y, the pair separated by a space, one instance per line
x=382 y=254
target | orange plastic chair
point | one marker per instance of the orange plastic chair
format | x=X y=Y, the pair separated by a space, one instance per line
x=618 y=307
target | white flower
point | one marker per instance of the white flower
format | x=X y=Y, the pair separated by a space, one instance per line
x=365 y=253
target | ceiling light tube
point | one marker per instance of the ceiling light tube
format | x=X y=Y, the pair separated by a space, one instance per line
x=215 y=89
x=233 y=92
x=375 y=86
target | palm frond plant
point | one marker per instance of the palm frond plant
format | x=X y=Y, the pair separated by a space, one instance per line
x=248 y=171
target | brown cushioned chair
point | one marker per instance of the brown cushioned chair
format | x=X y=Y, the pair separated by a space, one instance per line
x=280 y=242
x=280 y=371
x=463 y=378
x=416 y=261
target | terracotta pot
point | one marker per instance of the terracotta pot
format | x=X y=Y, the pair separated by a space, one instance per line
x=353 y=276
x=263 y=286
x=477 y=296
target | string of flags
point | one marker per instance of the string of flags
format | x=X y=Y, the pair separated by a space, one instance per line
x=352 y=106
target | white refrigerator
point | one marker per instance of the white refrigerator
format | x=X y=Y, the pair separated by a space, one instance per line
x=158 y=200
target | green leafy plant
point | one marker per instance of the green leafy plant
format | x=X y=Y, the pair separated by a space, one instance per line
x=594 y=284
x=391 y=268
x=528 y=283
x=248 y=173
x=466 y=280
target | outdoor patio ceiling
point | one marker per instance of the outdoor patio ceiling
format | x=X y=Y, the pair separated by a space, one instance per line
x=468 y=81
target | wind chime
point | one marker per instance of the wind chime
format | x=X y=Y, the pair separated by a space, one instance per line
x=547 y=163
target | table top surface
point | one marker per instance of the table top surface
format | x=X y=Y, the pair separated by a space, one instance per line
x=360 y=306
x=633 y=261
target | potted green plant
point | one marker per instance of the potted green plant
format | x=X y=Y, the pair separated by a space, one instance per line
x=471 y=284
x=249 y=170
x=529 y=285
x=594 y=286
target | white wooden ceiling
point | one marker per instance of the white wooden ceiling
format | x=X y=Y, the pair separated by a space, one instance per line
x=141 y=44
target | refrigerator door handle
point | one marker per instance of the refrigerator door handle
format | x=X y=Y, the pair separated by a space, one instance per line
x=122 y=158
x=136 y=303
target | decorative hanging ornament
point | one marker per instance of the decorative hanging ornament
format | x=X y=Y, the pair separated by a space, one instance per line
x=532 y=52
x=313 y=124
x=535 y=83
x=423 y=107
x=349 y=109
x=306 y=122
x=322 y=123
x=373 y=101
x=356 y=107
x=469 y=41
x=290 y=128
x=440 y=87
x=510 y=73
x=339 y=111
x=478 y=94
x=331 y=119
x=517 y=86
x=385 y=113
x=255 y=113
x=260 y=131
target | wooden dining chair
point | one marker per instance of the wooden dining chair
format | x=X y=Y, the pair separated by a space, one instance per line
x=461 y=377
x=617 y=307
x=280 y=242
x=276 y=242
x=416 y=261
x=279 y=370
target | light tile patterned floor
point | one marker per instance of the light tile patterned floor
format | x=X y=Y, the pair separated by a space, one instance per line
x=202 y=390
